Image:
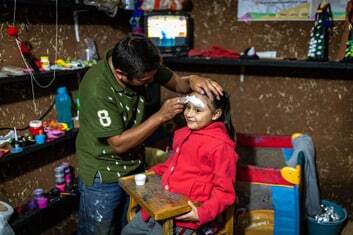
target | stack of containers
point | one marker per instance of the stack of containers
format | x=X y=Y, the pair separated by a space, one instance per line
x=63 y=176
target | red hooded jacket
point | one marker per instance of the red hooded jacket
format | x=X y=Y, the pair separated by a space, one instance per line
x=202 y=168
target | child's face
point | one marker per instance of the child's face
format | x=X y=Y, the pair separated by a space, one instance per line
x=199 y=112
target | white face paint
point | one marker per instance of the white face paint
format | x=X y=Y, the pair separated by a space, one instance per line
x=194 y=100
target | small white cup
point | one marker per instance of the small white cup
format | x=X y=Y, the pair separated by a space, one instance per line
x=140 y=179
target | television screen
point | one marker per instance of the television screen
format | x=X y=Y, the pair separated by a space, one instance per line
x=169 y=31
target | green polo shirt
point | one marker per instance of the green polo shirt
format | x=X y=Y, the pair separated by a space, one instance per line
x=108 y=109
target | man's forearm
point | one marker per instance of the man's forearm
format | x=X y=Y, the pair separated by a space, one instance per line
x=136 y=135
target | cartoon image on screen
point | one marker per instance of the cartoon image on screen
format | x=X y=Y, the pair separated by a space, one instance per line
x=169 y=32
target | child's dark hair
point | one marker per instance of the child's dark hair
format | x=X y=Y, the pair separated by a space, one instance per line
x=224 y=104
x=135 y=55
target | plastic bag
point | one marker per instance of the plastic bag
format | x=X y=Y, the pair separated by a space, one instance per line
x=5 y=213
x=89 y=53
x=174 y=5
x=5 y=228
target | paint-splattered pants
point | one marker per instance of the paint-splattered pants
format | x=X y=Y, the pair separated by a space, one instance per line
x=102 y=208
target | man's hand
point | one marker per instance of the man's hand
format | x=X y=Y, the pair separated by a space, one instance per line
x=191 y=215
x=205 y=86
x=170 y=108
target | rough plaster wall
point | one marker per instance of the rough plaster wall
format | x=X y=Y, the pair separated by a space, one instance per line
x=215 y=23
x=281 y=105
x=269 y=105
x=16 y=107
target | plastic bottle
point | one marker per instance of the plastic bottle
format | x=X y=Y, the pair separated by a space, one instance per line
x=63 y=107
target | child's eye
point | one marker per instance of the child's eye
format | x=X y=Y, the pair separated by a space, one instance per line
x=198 y=110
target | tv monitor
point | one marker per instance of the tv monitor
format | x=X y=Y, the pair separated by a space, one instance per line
x=170 y=31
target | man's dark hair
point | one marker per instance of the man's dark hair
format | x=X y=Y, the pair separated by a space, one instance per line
x=135 y=55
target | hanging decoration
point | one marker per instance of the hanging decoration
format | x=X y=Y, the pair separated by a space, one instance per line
x=24 y=48
x=348 y=53
x=29 y=60
x=319 y=37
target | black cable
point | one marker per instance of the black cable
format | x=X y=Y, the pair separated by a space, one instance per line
x=25 y=128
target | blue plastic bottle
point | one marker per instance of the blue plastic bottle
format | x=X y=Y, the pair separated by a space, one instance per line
x=63 y=107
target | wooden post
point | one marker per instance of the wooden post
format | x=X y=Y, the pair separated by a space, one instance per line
x=168 y=227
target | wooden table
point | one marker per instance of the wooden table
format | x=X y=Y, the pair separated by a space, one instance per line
x=159 y=203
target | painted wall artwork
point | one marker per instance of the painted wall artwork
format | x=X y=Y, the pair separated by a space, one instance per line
x=272 y=10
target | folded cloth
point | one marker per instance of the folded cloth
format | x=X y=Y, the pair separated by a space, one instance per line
x=214 y=51
x=304 y=144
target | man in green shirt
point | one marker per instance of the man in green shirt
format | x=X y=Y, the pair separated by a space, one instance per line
x=113 y=126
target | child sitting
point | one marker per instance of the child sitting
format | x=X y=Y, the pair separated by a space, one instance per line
x=202 y=166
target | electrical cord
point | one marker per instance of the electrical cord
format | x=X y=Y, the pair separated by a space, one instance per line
x=40 y=118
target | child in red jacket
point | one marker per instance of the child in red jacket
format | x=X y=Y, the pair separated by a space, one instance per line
x=202 y=166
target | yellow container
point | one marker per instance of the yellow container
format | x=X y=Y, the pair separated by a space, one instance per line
x=255 y=222
x=44 y=61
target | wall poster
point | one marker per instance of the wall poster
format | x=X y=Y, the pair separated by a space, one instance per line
x=270 y=10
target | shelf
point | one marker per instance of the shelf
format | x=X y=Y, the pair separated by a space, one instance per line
x=39 y=220
x=36 y=155
x=62 y=4
x=44 y=76
x=263 y=67
x=28 y=150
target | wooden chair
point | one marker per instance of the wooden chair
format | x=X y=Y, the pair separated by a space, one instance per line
x=225 y=220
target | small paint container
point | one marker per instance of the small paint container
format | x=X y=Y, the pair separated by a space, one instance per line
x=67 y=169
x=60 y=187
x=32 y=204
x=59 y=175
x=44 y=61
x=42 y=202
x=67 y=172
x=54 y=134
x=140 y=179
x=38 y=192
x=16 y=149
x=59 y=180
x=59 y=170
x=40 y=138
x=68 y=179
x=35 y=127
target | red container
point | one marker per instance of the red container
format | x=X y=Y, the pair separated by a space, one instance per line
x=35 y=127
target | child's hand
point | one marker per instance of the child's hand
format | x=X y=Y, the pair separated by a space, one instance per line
x=191 y=215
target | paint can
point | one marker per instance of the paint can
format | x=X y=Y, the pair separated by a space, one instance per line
x=60 y=177
x=32 y=204
x=40 y=138
x=61 y=187
x=38 y=192
x=140 y=179
x=35 y=127
x=42 y=202
x=67 y=172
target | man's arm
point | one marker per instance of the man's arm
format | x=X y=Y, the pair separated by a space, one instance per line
x=136 y=135
x=184 y=84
